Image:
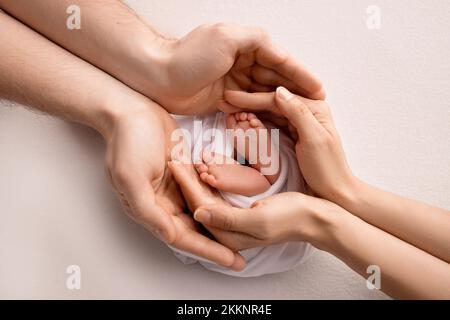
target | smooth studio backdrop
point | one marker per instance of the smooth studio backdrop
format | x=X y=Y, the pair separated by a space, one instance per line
x=389 y=91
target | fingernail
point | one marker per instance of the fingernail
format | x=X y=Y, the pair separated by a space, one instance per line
x=202 y=216
x=284 y=94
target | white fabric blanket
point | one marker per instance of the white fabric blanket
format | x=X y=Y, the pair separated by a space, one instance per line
x=260 y=261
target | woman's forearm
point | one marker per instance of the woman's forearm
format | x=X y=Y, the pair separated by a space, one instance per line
x=419 y=224
x=38 y=73
x=325 y=169
x=406 y=271
x=110 y=37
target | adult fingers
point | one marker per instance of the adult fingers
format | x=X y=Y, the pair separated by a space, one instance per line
x=257 y=101
x=268 y=77
x=243 y=40
x=190 y=240
x=227 y=107
x=138 y=199
x=226 y=218
x=194 y=191
x=235 y=240
x=292 y=70
x=246 y=40
x=195 y=243
x=298 y=113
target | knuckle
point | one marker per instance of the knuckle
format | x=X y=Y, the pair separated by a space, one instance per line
x=322 y=141
x=299 y=109
x=205 y=26
x=228 y=222
x=220 y=29
x=135 y=214
x=132 y=211
x=170 y=240
x=262 y=32
x=120 y=175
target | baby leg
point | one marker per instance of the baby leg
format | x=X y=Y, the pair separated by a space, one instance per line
x=248 y=121
x=228 y=175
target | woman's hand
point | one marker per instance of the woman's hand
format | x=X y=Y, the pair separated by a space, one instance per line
x=271 y=221
x=318 y=147
x=319 y=150
x=325 y=169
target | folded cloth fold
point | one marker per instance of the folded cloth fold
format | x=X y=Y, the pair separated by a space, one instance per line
x=264 y=260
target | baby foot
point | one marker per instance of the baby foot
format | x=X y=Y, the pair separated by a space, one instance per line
x=252 y=149
x=244 y=121
x=228 y=175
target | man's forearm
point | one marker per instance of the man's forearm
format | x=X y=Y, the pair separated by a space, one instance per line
x=110 y=37
x=38 y=73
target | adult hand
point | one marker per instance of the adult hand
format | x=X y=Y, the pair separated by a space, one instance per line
x=137 y=131
x=198 y=194
x=318 y=147
x=199 y=67
x=138 y=149
x=271 y=221
x=185 y=76
x=268 y=221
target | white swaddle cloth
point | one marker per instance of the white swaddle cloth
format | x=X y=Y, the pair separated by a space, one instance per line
x=264 y=260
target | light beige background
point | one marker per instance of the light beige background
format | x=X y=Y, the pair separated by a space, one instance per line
x=389 y=90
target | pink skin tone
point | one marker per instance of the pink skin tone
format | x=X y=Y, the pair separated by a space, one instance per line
x=229 y=175
x=182 y=75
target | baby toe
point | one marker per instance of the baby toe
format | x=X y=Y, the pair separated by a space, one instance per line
x=251 y=116
x=207 y=157
x=211 y=180
x=243 y=116
x=204 y=177
x=201 y=168
x=256 y=123
x=231 y=121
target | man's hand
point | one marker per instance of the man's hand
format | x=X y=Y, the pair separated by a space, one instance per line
x=213 y=58
x=185 y=76
x=138 y=149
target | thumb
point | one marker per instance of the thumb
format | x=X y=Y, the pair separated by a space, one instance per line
x=224 y=217
x=144 y=210
x=297 y=112
x=139 y=201
x=194 y=191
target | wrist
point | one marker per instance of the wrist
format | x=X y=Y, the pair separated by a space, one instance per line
x=114 y=109
x=151 y=66
x=323 y=221
x=350 y=196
